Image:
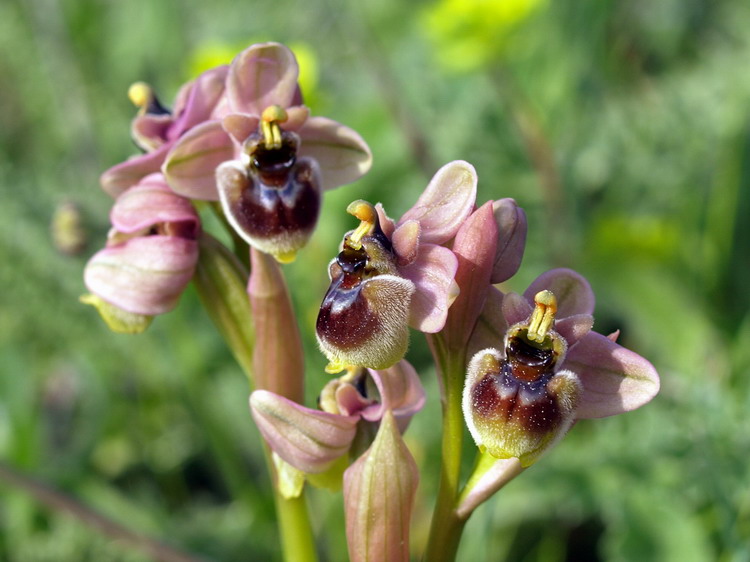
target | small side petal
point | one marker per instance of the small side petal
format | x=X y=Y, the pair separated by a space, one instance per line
x=515 y=308
x=575 y=327
x=379 y=492
x=190 y=166
x=432 y=274
x=260 y=76
x=342 y=154
x=573 y=291
x=406 y=242
x=446 y=202
x=309 y=440
x=240 y=126
x=615 y=379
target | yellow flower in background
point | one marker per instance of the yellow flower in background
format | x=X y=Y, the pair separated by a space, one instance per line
x=467 y=34
x=212 y=54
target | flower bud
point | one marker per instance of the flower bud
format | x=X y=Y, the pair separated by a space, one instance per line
x=379 y=492
x=517 y=403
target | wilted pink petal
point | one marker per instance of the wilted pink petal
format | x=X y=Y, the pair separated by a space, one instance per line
x=144 y=275
x=150 y=202
x=475 y=249
x=190 y=166
x=572 y=290
x=260 y=76
x=379 y=492
x=432 y=274
x=446 y=202
x=400 y=391
x=126 y=174
x=309 y=440
x=342 y=154
x=615 y=379
x=511 y=239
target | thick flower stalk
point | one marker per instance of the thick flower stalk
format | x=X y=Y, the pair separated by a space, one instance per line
x=265 y=158
x=551 y=370
x=392 y=275
x=151 y=251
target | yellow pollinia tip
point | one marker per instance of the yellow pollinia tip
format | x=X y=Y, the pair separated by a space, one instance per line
x=140 y=95
x=365 y=212
x=543 y=317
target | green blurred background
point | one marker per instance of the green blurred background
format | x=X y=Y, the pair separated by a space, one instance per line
x=621 y=126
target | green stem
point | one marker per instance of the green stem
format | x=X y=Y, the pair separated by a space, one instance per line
x=297 y=539
x=221 y=283
x=447 y=526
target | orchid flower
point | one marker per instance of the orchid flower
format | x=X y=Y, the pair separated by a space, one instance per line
x=156 y=129
x=266 y=159
x=311 y=440
x=392 y=275
x=151 y=250
x=552 y=370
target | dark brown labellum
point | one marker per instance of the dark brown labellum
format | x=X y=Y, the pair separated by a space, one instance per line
x=266 y=211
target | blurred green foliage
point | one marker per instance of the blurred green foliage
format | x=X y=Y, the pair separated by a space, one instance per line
x=622 y=127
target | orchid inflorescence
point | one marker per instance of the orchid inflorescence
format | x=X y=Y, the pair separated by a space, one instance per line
x=521 y=369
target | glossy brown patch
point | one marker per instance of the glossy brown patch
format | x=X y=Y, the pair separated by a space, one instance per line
x=265 y=211
x=345 y=320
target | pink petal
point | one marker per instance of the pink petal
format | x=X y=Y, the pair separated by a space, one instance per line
x=342 y=154
x=615 y=379
x=379 y=492
x=432 y=274
x=511 y=228
x=475 y=249
x=126 y=174
x=148 y=203
x=201 y=99
x=406 y=242
x=400 y=391
x=573 y=328
x=491 y=325
x=516 y=308
x=386 y=223
x=446 y=202
x=309 y=440
x=573 y=291
x=240 y=126
x=151 y=131
x=144 y=275
x=260 y=76
x=190 y=166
